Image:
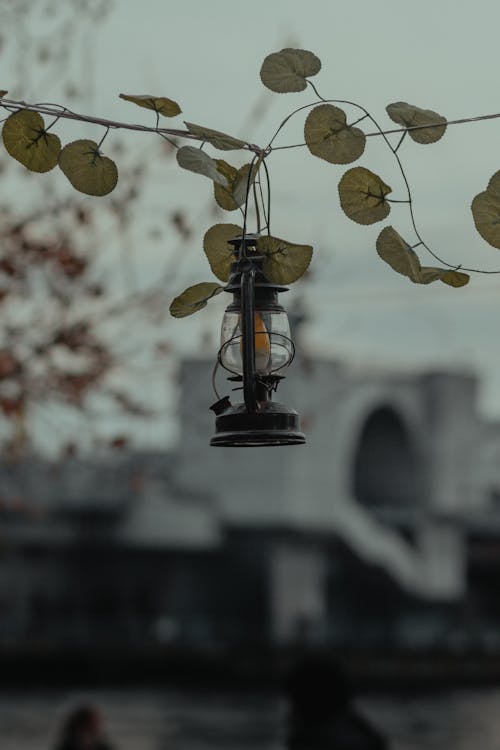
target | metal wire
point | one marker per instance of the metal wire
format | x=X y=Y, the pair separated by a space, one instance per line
x=268 y=180
x=218 y=363
x=238 y=336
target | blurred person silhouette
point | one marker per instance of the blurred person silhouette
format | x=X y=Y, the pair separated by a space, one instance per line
x=82 y=730
x=322 y=715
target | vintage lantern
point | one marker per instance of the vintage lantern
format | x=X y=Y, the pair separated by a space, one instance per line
x=255 y=349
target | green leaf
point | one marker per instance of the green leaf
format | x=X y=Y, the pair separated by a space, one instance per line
x=242 y=183
x=392 y=248
x=428 y=274
x=194 y=298
x=219 y=252
x=455 y=278
x=287 y=70
x=224 y=198
x=217 y=139
x=494 y=185
x=328 y=135
x=451 y=278
x=223 y=194
x=86 y=168
x=160 y=104
x=26 y=139
x=486 y=211
x=196 y=160
x=284 y=261
x=362 y=196
x=227 y=170
x=232 y=196
x=409 y=116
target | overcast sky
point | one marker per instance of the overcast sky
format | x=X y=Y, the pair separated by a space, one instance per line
x=438 y=54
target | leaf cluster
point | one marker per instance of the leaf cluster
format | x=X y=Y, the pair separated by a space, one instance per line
x=403 y=259
x=283 y=263
x=329 y=135
x=26 y=139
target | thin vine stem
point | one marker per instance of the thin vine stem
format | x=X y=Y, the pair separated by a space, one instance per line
x=282 y=124
x=399 y=143
x=245 y=211
x=103 y=138
x=263 y=204
x=51 y=125
x=169 y=140
x=58 y=110
x=55 y=110
x=292 y=145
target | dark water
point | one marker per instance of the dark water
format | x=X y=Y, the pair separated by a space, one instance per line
x=170 y=720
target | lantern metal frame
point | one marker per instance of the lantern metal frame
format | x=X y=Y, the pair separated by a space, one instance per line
x=272 y=374
x=258 y=421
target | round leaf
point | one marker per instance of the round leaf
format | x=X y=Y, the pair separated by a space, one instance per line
x=223 y=194
x=362 y=196
x=227 y=171
x=27 y=141
x=242 y=184
x=219 y=140
x=284 y=262
x=455 y=278
x=451 y=278
x=196 y=160
x=486 y=211
x=160 y=104
x=402 y=258
x=409 y=116
x=233 y=196
x=194 y=298
x=287 y=70
x=328 y=135
x=392 y=248
x=219 y=252
x=428 y=274
x=86 y=168
x=224 y=198
x=494 y=185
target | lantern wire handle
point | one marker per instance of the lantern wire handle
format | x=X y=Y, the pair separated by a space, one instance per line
x=248 y=336
x=243 y=248
x=247 y=287
x=214 y=375
x=268 y=180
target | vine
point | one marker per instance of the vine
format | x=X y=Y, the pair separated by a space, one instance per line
x=364 y=196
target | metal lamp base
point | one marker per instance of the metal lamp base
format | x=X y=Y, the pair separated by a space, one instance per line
x=273 y=424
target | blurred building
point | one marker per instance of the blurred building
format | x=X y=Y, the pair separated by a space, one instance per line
x=384 y=528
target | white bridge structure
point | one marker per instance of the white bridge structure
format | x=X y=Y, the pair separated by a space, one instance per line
x=399 y=469
x=399 y=466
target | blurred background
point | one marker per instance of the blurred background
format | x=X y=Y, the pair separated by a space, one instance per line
x=174 y=585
